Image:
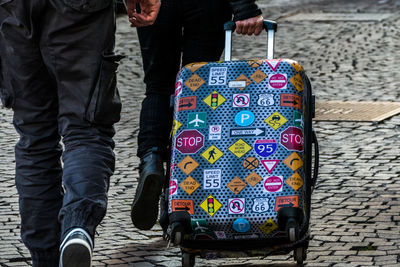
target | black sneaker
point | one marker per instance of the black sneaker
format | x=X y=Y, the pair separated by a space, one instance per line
x=144 y=210
x=76 y=249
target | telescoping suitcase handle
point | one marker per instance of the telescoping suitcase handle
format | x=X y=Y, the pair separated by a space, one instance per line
x=316 y=160
x=269 y=25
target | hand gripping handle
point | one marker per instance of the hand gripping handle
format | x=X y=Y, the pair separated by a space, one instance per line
x=270 y=26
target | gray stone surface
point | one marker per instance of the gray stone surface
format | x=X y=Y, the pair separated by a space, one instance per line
x=355 y=216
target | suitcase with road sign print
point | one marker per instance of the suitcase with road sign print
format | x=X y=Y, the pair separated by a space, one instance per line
x=241 y=162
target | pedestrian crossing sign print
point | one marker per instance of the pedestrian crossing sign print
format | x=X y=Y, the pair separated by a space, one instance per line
x=212 y=154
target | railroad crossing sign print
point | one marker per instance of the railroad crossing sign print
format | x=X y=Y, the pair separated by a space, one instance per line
x=250 y=163
x=236 y=205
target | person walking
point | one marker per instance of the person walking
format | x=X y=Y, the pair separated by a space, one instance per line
x=58 y=74
x=185 y=31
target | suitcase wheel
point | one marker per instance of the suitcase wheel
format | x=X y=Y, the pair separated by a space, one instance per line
x=188 y=260
x=177 y=239
x=175 y=232
x=300 y=255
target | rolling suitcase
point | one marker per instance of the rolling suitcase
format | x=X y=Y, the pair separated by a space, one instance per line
x=240 y=176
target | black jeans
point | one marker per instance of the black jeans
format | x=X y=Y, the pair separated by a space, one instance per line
x=58 y=76
x=185 y=31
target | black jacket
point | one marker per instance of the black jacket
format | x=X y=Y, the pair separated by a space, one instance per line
x=244 y=9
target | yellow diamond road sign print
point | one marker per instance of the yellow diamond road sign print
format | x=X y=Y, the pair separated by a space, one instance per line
x=253 y=179
x=175 y=126
x=276 y=120
x=236 y=185
x=295 y=65
x=189 y=185
x=269 y=226
x=295 y=181
x=258 y=76
x=194 y=82
x=210 y=205
x=242 y=77
x=214 y=100
x=297 y=81
x=188 y=164
x=239 y=148
x=255 y=63
x=212 y=154
x=195 y=66
x=293 y=161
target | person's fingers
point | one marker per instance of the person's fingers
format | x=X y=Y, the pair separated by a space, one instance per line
x=141 y=20
x=245 y=28
x=130 y=7
x=258 y=30
x=241 y=27
x=251 y=29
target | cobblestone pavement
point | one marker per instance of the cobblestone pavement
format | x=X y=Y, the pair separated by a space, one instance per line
x=356 y=205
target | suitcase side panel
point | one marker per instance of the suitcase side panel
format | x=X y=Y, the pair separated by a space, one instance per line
x=238 y=147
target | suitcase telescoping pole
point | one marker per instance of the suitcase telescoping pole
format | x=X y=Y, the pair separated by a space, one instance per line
x=269 y=26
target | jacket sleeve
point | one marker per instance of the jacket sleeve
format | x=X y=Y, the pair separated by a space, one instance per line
x=244 y=9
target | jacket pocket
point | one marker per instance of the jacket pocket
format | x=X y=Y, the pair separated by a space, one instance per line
x=87 y=5
x=104 y=105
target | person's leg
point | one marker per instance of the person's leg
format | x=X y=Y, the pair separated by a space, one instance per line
x=203 y=36
x=78 y=48
x=31 y=92
x=161 y=53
